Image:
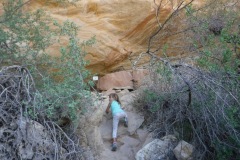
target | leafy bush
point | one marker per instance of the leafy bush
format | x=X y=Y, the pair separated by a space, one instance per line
x=46 y=89
x=200 y=104
x=214 y=35
x=18 y=95
x=204 y=111
x=65 y=85
x=61 y=81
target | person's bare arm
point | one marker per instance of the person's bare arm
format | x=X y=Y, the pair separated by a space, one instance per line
x=108 y=107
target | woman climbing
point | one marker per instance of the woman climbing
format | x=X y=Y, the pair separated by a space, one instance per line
x=117 y=113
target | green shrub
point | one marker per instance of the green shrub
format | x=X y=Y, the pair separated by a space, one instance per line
x=62 y=82
x=200 y=103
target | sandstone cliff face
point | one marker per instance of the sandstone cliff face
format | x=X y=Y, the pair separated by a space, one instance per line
x=122 y=29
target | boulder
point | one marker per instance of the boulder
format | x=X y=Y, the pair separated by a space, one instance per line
x=127 y=101
x=88 y=128
x=94 y=138
x=157 y=149
x=123 y=80
x=117 y=79
x=96 y=116
x=134 y=122
x=34 y=141
x=138 y=77
x=183 y=151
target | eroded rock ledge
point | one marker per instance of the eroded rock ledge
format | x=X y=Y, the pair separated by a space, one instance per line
x=122 y=28
x=131 y=78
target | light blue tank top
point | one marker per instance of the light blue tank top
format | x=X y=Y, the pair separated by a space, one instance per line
x=115 y=107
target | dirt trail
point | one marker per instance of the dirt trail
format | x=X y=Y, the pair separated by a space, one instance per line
x=129 y=140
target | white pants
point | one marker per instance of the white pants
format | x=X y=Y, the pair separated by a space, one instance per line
x=116 y=119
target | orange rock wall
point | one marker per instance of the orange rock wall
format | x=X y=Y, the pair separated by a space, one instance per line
x=122 y=28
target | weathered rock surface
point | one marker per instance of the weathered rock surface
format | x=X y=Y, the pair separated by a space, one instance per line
x=135 y=121
x=41 y=139
x=96 y=129
x=157 y=149
x=33 y=141
x=139 y=76
x=88 y=129
x=183 y=151
x=123 y=80
x=25 y=131
x=117 y=79
x=122 y=28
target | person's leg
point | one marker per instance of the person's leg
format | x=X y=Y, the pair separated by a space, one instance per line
x=123 y=116
x=115 y=126
x=114 y=132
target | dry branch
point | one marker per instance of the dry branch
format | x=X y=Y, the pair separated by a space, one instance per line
x=24 y=134
x=199 y=106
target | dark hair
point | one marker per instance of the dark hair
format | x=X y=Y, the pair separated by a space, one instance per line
x=115 y=97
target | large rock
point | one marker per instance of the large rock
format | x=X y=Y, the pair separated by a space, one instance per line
x=139 y=76
x=123 y=80
x=117 y=79
x=157 y=149
x=33 y=141
x=93 y=135
x=183 y=151
x=119 y=29
x=127 y=101
x=88 y=128
x=135 y=120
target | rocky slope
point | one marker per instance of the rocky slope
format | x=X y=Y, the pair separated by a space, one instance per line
x=96 y=130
